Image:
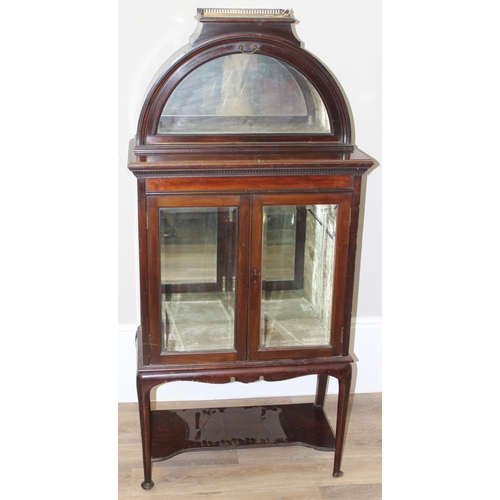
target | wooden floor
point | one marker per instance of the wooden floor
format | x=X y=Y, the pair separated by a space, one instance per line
x=284 y=473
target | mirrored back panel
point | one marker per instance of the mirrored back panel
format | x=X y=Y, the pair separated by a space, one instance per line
x=244 y=94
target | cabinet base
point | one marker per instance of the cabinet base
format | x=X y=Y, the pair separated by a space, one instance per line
x=166 y=433
x=175 y=431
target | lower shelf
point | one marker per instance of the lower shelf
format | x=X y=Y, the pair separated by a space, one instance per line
x=175 y=431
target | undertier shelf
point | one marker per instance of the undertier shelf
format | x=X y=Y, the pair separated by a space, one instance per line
x=174 y=431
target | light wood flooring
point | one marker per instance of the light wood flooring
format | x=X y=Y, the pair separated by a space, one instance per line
x=281 y=473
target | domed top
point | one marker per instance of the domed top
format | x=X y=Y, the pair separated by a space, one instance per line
x=244 y=80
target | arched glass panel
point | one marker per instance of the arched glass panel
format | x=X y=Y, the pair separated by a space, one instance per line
x=244 y=94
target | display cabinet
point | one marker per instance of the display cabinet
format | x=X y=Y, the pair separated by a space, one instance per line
x=249 y=190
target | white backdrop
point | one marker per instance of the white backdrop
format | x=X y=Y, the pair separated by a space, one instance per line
x=346 y=36
x=441 y=178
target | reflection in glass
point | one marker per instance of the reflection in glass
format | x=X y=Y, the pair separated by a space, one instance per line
x=280 y=227
x=300 y=315
x=244 y=93
x=197 y=285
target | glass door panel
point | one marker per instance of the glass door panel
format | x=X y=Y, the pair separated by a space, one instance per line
x=188 y=236
x=300 y=315
x=198 y=259
x=280 y=230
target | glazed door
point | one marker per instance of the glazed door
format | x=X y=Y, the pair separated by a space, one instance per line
x=247 y=277
x=197 y=249
x=297 y=280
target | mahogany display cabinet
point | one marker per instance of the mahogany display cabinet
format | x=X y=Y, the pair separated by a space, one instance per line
x=248 y=196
